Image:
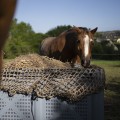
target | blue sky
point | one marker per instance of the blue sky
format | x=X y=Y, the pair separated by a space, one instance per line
x=44 y=15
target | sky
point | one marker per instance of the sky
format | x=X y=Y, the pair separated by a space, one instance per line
x=44 y=15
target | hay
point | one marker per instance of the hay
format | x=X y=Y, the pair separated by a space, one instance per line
x=35 y=61
x=47 y=78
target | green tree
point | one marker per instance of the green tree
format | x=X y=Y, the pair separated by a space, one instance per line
x=22 y=40
x=57 y=30
x=97 y=49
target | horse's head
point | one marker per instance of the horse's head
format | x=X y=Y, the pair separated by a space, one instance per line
x=85 y=43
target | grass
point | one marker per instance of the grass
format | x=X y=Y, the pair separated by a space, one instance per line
x=112 y=92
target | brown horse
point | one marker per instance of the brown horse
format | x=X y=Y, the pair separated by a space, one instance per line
x=71 y=45
x=45 y=48
x=7 y=9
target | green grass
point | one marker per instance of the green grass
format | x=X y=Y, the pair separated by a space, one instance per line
x=112 y=69
x=112 y=91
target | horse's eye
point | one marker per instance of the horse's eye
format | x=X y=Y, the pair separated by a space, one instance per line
x=92 y=43
x=78 y=41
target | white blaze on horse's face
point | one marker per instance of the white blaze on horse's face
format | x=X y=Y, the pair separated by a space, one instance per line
x=86 y=45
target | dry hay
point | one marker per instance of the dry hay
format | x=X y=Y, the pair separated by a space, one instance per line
x=44 y=77
x=35 y=61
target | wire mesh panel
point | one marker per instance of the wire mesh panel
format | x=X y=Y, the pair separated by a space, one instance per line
x=19 y=108
x=55 y=109
x=15 y=108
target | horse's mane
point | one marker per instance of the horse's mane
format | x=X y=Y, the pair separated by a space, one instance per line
x=84 y=28
x=78 y=29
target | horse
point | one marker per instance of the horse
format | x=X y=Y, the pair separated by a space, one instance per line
x=45 y=46
x=7 y=9
x=73 y=45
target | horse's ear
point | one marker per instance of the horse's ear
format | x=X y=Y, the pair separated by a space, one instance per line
x=94 y=30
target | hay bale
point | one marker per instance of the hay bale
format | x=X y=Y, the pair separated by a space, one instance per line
x=45 y=77
x=35 y=61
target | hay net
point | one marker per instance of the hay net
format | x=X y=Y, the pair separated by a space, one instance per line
x=52 y=79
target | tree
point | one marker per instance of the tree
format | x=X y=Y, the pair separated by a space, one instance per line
x=57 y=30
x=22 y=40
x=97 y=49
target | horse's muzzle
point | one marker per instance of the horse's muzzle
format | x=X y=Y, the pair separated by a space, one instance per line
x=85 y=63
